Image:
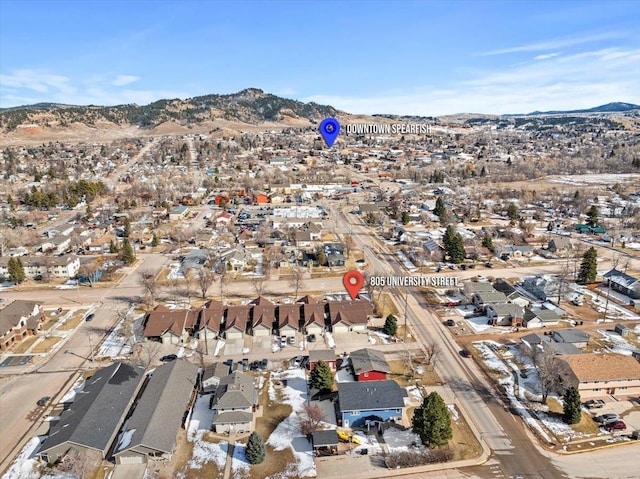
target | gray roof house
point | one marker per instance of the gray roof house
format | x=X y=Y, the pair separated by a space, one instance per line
x=623 y=283
x=93 y=420
x=368 y=360
x=539 y=318
x=212 y=375
x=152 y=428
x=576 y=337
x=360 y=402
x=233 y=403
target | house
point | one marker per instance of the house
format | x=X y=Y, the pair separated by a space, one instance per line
x=94 y=418
x=38 y=267
x=560 y=246
x=539 y=318
x=505 y=314
x=263 y=317
x=326 y=355
x=623 y=283
x=178 y=213
x=541 y=287
x=288 y=323
x=152 y=428
x=233 y=403
x=170 y=326
x=513 y=296
x=576 y=337
x=262 y=199
x=313 y=312
x=18 y=320
x=369 y=365
x=483 y=298
x=473 y=287
x=211 y=317
x=345 y=316
x=324 y=442
x=601 y=374
x=302 y=239
x=433 y=251
x=212 y=375
x=195 y=259
x=236 y=321
x=359 y=402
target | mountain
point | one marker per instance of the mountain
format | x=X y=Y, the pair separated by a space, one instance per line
x=250 y=106
x=614 y=107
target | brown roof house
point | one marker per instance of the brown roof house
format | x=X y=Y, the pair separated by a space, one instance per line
x=313 y=312
x=346 y=316
x=236 y=321
x=288 y=319
x=263 y=316
x=601 y=374
x=170 y=326
x=19 y=319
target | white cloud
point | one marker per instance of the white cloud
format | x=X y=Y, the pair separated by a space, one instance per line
x=122 y=80
x=37 y=80
x=546 y=56
x=556 y=43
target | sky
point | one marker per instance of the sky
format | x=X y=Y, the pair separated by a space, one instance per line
x=396 y=57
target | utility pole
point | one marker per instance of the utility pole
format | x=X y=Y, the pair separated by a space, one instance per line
x=90 y=349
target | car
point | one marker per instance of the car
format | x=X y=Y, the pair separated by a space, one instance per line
x=254 y=366
x=450 y=322
x=245 y=364
x=228 y=362
x=594 y=404
x=346 y=437
x=635 y=435
x=90 y=317
x=263 y=364
x=463 y=267
x=311 y=338
x=43 y=401
x=606 y=418
x=282 y=342
x=291 y=340
x=169 y=357
x=615 y=426
x=465 y=353
x=488 y=265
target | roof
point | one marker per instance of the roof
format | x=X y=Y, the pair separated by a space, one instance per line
x=621 y=278
x=370 y=395
x=263 y=312
x=211 y=316
x=350 y=312
x=235 y=391
x=364 y=360
x=507 y=309
x=237 y=317
x=10 y=316
x=162 y=320
x=325 y=355
x=97 y=412
x=289 y=314
x=544 y=315
x=216 y=370
x=570 y=335
x=327 y=437
x=160 y=410
x=479 y=286
x=232 y=417
x=603 y=367
x=313 y=312
x=491 y=296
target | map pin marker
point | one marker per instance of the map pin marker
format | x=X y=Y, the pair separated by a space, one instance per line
x=353 y=281
x=329 y=129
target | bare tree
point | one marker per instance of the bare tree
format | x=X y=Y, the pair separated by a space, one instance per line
x=258 y=284
x=431 y=351
x=348 y=244
x=547 y=366
x=205 y=280
x=296 y=281
x=145 y=353
x=81 y=464
x=310 y=418
x=148 y=280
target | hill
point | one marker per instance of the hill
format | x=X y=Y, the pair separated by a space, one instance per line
x=615 y=107
x=251 y=106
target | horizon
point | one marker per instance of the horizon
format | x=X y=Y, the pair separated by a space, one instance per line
x=410 y=58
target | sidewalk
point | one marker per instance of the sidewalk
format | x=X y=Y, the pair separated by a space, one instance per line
x=227 y=465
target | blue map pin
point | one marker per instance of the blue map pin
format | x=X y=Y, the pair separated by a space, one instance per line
x=329 y=129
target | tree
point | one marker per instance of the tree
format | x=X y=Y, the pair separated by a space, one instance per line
x=127 y=227
x=15 y=270
x=145 y=353
x=487 y=242
x=154 y=240
x=310 y=418
x=512 y=212
x=572 y=409
x=112 y=247
x=592 y=216
x=296 y=280
x=405 y=218
x=440 y=210
x=148 y=280
x=255 y=451
x=206 y=277
x=321 y=377
x=126 y=253
x=390 y=327
x=432 y=421
x=588 y=267
x=453 y=245
x=548 y=374
x=431 y=351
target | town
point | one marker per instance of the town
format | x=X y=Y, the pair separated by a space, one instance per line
x=190 y=283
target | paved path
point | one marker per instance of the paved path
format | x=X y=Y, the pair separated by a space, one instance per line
x=227 y=465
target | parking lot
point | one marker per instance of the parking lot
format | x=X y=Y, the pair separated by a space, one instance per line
x=626 y=410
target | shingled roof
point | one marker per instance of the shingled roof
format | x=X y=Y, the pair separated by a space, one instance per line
x=365 y=360
x=370 y=395
x=603 y=367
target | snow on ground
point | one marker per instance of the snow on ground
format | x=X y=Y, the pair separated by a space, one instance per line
x=619 y=344
x=240 y=466
x=330 y=341
x=205 y=451
x=71 y=393
x=287 y=433
x=201 y=416
x=117 y=344
x=219 y=345
x=22 y=467
x=180 y=352
x=384 y=338
x=176 y=272
x=478 y=323
x=414 y=393
x=453 y=411
x=344 y=375
x=372 y=340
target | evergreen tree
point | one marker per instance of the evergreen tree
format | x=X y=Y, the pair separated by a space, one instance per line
x=15 y=270
x=588 y=267
x=154 y=240
x=572 y=410
x=453 y=245
x=255 y=451
x=126 y=253
x=512 y=212
x=127 y=228
x=405 y=217
x=390 y=325
x=592 y=216
x=432 y=421
x=440 y=209
x=112 y=247
x=321 y=377
x=487 y=242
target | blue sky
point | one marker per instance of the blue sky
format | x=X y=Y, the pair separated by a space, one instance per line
x=421 y=57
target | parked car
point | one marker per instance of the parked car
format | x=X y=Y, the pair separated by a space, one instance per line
x=264 y=364
x=90 y=317
x=311 y=338
x=291 y=340
x=465 y=353
x=594 y=404
x=43 y=401
x=169 y=357
x=488 y=265
x=616 y=426
x=635 y=435
x=450 y=322
x=245 y=364
x=606 y=418
x=254 y=366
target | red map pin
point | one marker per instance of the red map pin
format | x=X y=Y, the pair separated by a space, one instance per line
x=353 y=281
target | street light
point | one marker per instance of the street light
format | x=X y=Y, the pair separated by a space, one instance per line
x=90 y=349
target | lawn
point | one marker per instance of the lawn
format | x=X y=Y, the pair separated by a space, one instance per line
x=586 y=425
x=401 y=373
x=73 y=321
x=22 y=346
x=46 y=344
